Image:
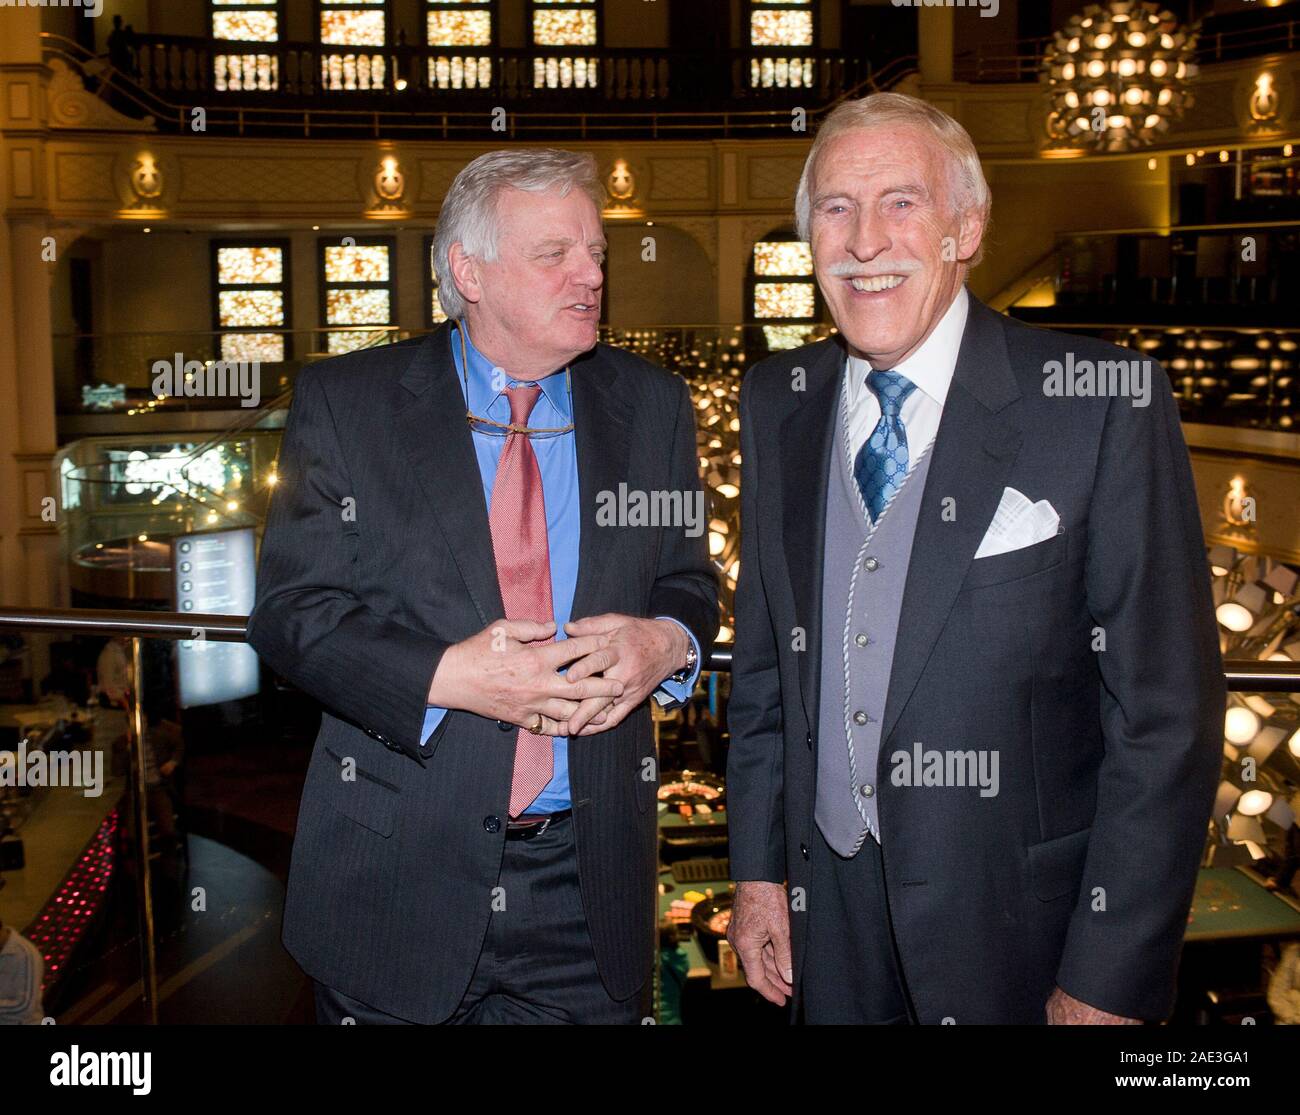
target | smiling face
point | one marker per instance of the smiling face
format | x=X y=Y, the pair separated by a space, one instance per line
x=887 y=247
x=537 y=305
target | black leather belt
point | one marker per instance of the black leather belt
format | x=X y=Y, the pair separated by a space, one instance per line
x=533 y=824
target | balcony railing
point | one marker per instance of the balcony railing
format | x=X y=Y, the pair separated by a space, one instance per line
x=439 y=92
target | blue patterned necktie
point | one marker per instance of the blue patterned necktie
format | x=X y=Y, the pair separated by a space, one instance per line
x=881 y=466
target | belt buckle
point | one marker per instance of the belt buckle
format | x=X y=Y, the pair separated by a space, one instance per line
x=536 y=828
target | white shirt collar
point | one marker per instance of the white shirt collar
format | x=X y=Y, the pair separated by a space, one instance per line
x=932 y=365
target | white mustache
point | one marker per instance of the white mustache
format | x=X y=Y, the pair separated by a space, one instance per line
x=848 y=269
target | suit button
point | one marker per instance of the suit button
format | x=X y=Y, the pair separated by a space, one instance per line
x=492 y=824
x=808 y=739
x=504 y=726
x=871 y=565
x=860 y=717
x=860 y=639
x=866 y=791
x=803 y=848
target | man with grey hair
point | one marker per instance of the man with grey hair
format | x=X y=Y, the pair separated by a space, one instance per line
x=977 y=700
x=476 y=840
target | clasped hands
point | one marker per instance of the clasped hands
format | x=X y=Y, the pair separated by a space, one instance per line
x=506 y=673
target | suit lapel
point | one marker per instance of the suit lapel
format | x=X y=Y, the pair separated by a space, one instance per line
x=973 y=452
x=437 y=439
x=807 y=441
x=602 y=427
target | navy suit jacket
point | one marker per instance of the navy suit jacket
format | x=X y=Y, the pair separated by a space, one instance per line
x=1080 y=871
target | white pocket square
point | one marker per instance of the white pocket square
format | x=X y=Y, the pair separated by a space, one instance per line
x=1018 y=522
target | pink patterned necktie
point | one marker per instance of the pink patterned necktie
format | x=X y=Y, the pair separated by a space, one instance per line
x=518 y=523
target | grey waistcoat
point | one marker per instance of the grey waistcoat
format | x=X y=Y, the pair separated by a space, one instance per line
x=863 y=576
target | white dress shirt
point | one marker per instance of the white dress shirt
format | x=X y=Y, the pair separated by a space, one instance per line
x=930 y=367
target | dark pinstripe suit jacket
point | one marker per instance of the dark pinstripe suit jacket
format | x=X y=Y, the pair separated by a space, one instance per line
x=376 y=557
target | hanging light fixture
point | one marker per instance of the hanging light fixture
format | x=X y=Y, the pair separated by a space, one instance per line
x=1118 y=74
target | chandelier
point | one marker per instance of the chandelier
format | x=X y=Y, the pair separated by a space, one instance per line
x=1118 y=74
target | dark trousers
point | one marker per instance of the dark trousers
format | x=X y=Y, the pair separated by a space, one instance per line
x=851 y=972
x=537 y=965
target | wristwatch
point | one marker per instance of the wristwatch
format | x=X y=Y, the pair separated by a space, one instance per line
x=684 y=674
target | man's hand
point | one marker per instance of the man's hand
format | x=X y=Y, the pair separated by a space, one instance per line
x=1065 y=1010
x=760 y=934
x=496 y=674
x=640 y=653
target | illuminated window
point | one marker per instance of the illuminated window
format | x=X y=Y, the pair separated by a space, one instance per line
x=782 y=296
x=250 y=295
x=357 y=288
x=433 y=314
x=459 y=23
x=356 y=24
x=565 y=23
x=775 y=26
x=246 y=21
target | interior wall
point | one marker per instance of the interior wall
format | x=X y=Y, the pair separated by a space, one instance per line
x=1033 y=202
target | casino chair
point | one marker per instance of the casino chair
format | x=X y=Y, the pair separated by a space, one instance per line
x=1214 y=265
x=1155 y=266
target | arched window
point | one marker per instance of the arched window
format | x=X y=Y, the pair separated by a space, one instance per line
x=781 y=295
x=565 y=23
x=776 y=26
x=354 y=24
x=358 y=288
x=254 y=21
x=460 y=24
x=250 y=299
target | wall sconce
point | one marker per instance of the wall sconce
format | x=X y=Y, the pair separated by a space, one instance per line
x=1263 y=99
x=1239 y=504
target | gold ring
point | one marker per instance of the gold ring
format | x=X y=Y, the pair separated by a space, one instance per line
x=536 y=729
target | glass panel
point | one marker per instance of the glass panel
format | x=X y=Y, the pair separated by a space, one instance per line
x=793 y=257
x=239 y=3
x=352 y=28
x=780 y=28
x=250 y=265
x=250 y=307
x=267 y=348
x=363 y=263
x=345 y=340
x=255 y=27
x=455 y=28
x=564 y=28
x=787 y=336
x=349 y=306
x=784 y=300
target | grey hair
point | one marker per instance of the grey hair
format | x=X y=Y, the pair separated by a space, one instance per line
x=469 y=213
x=970 y=189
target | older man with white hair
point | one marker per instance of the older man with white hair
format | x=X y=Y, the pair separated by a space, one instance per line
x=476 y=840
x=977 y=700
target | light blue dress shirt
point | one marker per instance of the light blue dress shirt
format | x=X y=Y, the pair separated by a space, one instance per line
x=557 y=459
